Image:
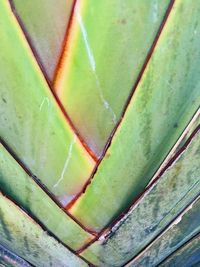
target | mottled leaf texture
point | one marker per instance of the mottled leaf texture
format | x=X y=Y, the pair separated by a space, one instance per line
x=164 y=102
x=187 y=256
x=31 y=122
x=179 y=232
x=9 y=259
x=106 y=47
x=99 y=133
x=16 y=183
x=23 y=235
x=177 y=187
x=45 y=23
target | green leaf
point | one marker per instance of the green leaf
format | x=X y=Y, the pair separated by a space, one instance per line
x=9 y=259
x=45 y=23
x=188 y=255
x=32 y=124
x=177 y=187
x=24 y=236
x=179 y=232
x=165 y=100
x=107 y=45
x=16 y=183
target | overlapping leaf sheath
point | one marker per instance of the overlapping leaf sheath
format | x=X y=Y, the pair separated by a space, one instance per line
x=16 y=183
x=127 y=72
x=9 y=259
x=188 y=255
x=46 y=23
x=176 y=188
x=105 y=50
x=32 y=124
x=179 y=232
x=23 y=235
x=164 y=102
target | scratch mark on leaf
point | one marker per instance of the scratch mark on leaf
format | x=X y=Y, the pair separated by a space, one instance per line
x=85 y=38
x=69 y=154
x=43 y=101
x=105 y=103
x=93 y=63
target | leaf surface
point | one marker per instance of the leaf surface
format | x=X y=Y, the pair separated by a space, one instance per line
x=188 y=255
x=45 y=23
x=164 y=102
x=9 y=259
x=179 y=232
x=32 y=124
x=16 y=183
x=178 y=186
x=106 y=48
x=23 y=235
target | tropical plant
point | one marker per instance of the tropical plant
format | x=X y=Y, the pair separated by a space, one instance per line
x=100 y=143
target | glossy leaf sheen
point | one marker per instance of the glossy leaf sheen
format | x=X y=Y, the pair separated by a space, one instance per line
x=177 y=187
x=16 y=183
x=31 y=122
x=46 y=24
x=162 y=106
x=21 y=234
x=103 y=57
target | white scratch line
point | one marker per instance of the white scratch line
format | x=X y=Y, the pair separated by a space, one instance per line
x=105 y=103
x=92 y=62
x=85 y=38
x=69 y=154
x=43 y=101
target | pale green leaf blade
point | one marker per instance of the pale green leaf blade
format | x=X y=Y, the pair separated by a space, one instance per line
x=32 y=124
x=177 y=187
x=107 y=46
x=16 y=183
x=164 y=103
x=25 y=237
x=45 y=22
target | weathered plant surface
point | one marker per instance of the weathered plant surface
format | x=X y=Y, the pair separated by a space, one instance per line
x=100 y=133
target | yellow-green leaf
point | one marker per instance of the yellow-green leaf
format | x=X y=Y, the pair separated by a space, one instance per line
x=32 y=124
x=164 y=102
x=106 y=48
x=21 y=187
x=45 y=23
x=24 y=236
